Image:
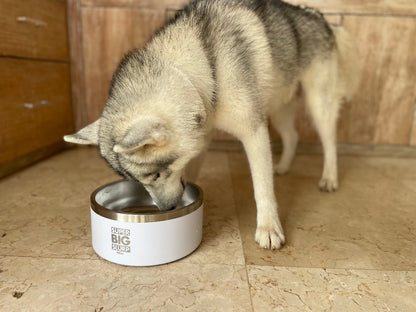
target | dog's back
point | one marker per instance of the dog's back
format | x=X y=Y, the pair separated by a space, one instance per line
x=226 y=64
x=295 y=35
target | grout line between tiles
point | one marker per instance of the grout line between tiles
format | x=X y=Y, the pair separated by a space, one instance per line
x=249 y=288
x=245 y=265
x=238 y=225
x=327 y=268
x=106 y=261
x=48 y=257
x=241 y=237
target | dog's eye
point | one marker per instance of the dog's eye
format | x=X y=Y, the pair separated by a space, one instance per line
x=156 y=176
x=149 y=177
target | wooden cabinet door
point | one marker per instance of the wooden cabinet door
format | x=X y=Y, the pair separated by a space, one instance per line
x=34 y=29
x=35 y=109
x=35 y=98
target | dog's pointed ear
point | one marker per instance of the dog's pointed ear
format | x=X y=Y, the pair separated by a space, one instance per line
x=87 y=135
x=147 y=130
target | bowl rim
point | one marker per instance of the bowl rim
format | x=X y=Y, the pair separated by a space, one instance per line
x=148 y=217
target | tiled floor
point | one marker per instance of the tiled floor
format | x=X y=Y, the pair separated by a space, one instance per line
x=354 y=250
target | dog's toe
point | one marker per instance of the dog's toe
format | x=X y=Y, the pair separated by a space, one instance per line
x=328 y=185
x=270 y=238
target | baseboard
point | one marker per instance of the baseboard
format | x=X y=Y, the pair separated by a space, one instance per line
x=23 y=161
x=398 y=151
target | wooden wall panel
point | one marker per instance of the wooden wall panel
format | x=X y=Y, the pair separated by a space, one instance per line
x=382 y=111
x=401 y=7
x=75 y=32
x=397 y=7
x=334 y=19
x=413 y=133
x=304 y=125
x=149 y=4
x=35 y=105
x=108 y=34
x=380 y=114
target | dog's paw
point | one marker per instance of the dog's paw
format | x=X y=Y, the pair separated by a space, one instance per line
x=281 y=169
x=270 y=237
x=328 y=185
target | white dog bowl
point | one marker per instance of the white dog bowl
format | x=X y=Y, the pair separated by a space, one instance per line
x=127 y=227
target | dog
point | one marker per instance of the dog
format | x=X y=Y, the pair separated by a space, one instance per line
x=232 y=65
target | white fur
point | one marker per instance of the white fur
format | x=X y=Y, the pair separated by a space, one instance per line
x=186 y=85
x=325 y=84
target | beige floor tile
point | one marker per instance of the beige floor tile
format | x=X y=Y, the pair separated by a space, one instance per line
x=47 y=262
x=221 y=241
x=45 y=208
x=334 y=290
x=368 y=224
x=42 y=284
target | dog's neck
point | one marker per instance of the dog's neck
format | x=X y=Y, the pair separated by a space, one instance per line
x=185 y=55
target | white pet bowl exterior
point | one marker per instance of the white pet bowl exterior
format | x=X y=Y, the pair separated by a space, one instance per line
x=136 y=239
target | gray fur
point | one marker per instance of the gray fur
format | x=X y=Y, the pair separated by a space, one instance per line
x=227 y=64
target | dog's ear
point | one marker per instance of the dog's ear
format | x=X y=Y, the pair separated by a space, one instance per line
x=87 y=135
x=147 y=130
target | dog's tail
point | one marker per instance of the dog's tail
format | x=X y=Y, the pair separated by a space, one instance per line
x=349 y=63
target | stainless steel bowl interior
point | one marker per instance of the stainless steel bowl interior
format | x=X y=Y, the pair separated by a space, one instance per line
x=129 y=201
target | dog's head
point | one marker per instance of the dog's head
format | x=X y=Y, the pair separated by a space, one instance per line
x=144 y=150
x=154 y=122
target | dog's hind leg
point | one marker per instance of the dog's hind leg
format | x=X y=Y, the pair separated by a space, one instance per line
x=269 y=233
x=283 y=120
x=320 y=88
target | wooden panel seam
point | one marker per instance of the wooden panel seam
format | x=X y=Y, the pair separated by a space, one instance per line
x=393 y=8
x=394 y=151
x=412 y=135
x=75 y=37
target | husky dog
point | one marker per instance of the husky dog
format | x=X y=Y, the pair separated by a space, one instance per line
x=227 y=64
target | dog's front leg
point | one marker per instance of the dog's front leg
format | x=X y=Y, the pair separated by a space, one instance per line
x=269 y=233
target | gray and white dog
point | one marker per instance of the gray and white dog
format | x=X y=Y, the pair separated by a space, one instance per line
x=227 y=64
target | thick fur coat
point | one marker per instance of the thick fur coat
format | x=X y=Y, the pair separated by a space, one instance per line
x=232 y=65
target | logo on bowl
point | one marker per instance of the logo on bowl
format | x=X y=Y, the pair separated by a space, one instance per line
x=120 y=240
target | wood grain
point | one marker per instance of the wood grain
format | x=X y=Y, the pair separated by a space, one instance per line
x=334 y=19
x=413 y=133
x=40 y=33
x=77 y=64
x=35 y=105
x=108 y=34
x=149 y=4
x=397 y=7
x=394 y=7
x=304 y=125
x=393 y=151
x=382 y=112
